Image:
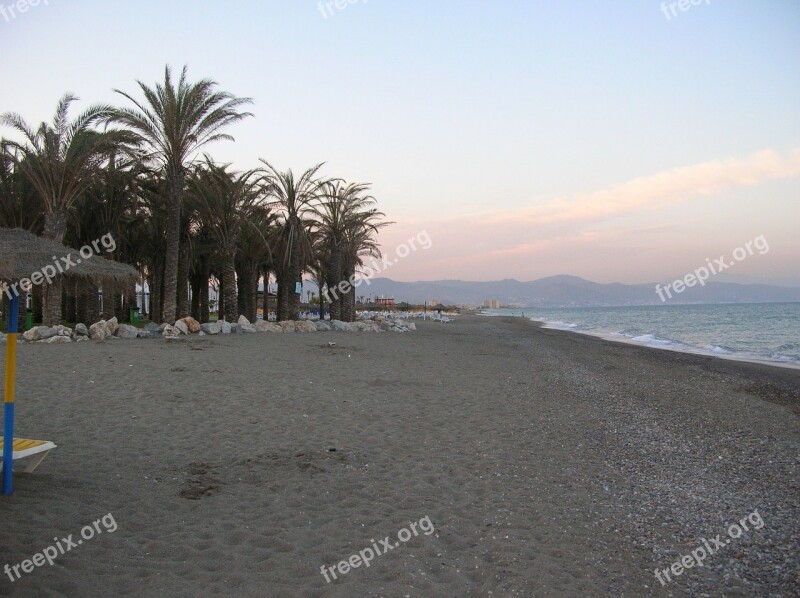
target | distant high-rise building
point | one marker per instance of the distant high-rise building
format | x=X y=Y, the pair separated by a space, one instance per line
x=492 y=303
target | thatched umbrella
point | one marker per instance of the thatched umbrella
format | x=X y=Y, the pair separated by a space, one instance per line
x=26 y=259
x=22 y=254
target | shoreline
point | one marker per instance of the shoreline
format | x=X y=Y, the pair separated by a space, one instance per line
x=666 y=345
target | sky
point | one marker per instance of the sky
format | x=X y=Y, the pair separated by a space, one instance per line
x=626 y=141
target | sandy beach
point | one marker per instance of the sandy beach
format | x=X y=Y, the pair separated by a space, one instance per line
x=548 y=463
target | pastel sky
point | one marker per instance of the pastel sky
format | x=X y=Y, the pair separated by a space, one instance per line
x=615 y=141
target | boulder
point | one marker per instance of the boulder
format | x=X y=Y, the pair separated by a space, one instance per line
x=322 y=326
x=182 y=326
x=192 y=324
x=81 y=330
x=63 y=330
x=152 y=328
x=211 y=327
x=287 y=326
x=127 y=331
x=171 y=332
x=411 y=326
x=162 y=328
x=305 y=326
x=39 y=333
x=112 y=326
x=57 y=340
x=264 y=326
x=226 y=327
x=341 y=326
x=247 y=328
x=242 y=320
x=98 y=331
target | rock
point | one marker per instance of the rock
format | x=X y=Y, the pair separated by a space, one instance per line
x=264 y=326
x=305 y=326
x=2 y=338
x=57 y=340
x=226 y=327
x=341 y=326
x=287 y=326
x=39 y=333
x=171 y=332
x=63 y=330
x=411 y=326
x=127 y=331
x=162 y=328
x=143 y=333
x=242 y=320
x=152 y=328
x=81 y=330
x=322 y=326
x=192 y=324
x=98 y=331
x=201 y=333
x=247 y=328
x=212 y=327
x=182 y=326
x=112 y=326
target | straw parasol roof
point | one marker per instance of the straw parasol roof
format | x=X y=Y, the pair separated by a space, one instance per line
x=22 y=253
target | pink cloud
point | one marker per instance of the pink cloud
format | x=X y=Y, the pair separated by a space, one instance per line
x=582 y=234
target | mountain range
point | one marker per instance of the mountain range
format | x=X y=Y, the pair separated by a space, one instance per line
x=567 y=291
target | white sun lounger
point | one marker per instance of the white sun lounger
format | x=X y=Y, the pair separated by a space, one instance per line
x=38 y=449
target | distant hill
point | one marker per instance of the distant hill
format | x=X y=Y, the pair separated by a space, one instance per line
x=568 y=291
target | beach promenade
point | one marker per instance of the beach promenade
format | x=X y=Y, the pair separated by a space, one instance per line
x=546 y=463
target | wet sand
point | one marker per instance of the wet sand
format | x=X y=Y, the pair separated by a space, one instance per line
x=550 y=464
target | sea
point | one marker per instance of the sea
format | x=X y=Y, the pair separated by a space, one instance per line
x=759 y=332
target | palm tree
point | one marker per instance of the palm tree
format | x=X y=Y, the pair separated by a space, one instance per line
x=224 y=201
x=347 y=224
x=60 y=160
x=296 y=199
x=173 y=122
x=254 y=256
x=20 y=206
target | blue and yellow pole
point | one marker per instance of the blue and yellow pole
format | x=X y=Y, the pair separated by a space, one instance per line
x=8 y=402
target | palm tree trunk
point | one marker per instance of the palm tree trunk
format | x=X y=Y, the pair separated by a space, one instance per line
x=336 y=276
x=283 y=298
x=203 y=290
x=155 y=294
x=321 y=304
x=182 y=299
x=243 y=286
x=229 y=285
x=55 y=226
x=295 y=272
x=175 y=180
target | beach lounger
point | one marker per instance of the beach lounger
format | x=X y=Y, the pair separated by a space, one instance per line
x=23 y=448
